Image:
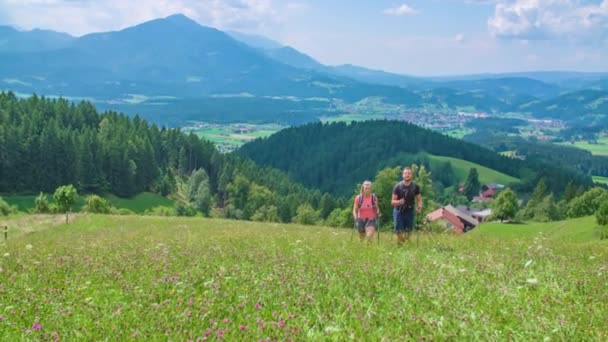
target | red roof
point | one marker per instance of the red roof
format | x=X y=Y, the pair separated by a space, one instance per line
x=448 y=216
x=488 y=193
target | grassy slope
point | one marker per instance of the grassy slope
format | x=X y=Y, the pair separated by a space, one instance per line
x=486 y=175
x=599 y=179
x=600 y=149
x=141 y=202
x=184 y=278
x=579 y=229
x=137 y=204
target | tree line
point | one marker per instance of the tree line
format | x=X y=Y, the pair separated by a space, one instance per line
x=47 y=143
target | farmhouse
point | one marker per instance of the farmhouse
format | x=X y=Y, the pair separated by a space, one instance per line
x=453 y=219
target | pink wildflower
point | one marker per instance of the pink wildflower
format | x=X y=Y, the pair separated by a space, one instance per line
x=37 y=326
x=243 y=327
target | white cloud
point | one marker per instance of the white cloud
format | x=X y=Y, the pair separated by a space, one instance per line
x=481 y=2
x=459 y=38
x=84 y=16
x=400 y=10
x=572 y=20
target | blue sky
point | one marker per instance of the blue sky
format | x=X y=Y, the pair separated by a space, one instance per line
x=414 y=37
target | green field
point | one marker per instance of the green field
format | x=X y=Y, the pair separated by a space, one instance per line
x=459 y=133
x=580 y=229
x=352 y=117
x=156 y=278
x=602 y=180
x=229 y=137
x=137 y=204
x=141 y=202
x=600 y=149
x=462 y=167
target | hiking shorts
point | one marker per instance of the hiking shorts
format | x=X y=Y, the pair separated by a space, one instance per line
x=363 y=224
x=404 y=220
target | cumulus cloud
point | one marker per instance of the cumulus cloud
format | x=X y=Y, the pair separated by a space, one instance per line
x=575 y=20
x=83 y=16
x=400 y=10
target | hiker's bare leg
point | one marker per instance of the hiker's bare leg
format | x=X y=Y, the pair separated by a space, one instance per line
x=369 y=233
x=400 y=238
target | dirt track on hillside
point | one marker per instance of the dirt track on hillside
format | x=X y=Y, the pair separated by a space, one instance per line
x=32 y=223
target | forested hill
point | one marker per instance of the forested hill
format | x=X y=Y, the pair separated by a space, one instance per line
x=46 y=143
x=332 y=157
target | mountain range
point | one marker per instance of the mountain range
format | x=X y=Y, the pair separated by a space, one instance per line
x=175 y=67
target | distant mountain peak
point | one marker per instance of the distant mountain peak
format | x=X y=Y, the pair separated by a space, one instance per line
x=177 y=20
x=179 y=17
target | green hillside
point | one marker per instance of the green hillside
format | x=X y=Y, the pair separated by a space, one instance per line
x=154 y=278
x=332 y=157
x=461 y=170
x=579 y=229
x=601 y=180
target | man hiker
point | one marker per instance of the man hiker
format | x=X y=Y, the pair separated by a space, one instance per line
x=406 y=196
x=366 y=212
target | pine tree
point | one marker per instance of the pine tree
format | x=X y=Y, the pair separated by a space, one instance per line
x=472 y=185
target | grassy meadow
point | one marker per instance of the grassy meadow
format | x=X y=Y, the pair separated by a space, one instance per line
x=601 y=180
x=158 y=279
x=231 y=136
x=462 y=167
x=600 y=148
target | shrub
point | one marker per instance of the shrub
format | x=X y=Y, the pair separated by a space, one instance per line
x=97 y=205
x=41 y=204
x=266 y=213
x=160 y=211
x=182 y=209
x=602 y=232
x=306 y=215
x=5 y=208
x=601 y=215
x=124 y=211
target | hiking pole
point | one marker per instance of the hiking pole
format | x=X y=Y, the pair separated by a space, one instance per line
x=378 y=228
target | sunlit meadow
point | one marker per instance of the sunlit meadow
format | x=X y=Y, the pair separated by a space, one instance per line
x=152 y=278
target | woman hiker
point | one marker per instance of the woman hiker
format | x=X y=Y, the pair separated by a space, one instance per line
x=366 y=212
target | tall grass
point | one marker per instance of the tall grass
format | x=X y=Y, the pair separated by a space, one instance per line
x=152 y=278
